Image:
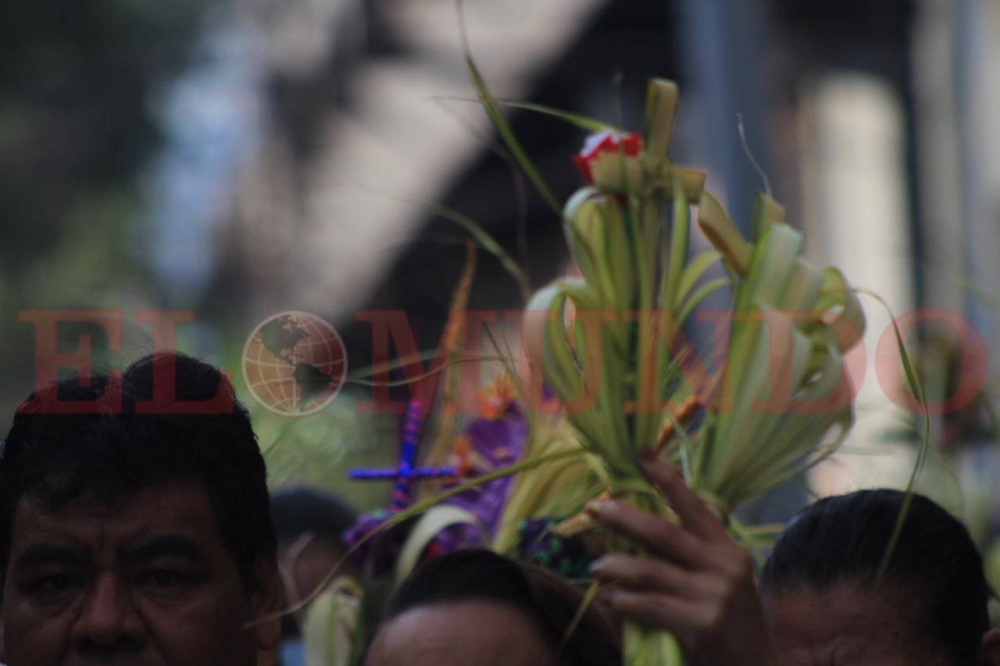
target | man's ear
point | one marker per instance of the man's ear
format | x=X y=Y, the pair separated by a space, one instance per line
x=265 y=600
x=989 y=648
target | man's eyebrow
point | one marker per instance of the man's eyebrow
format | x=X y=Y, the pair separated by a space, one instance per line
x=165 y=546
x=41 y=554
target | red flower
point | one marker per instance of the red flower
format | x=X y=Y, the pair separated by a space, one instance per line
x=600 y=143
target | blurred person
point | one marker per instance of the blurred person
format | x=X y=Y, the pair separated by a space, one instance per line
x=820 y=601
x=477 y=607
x=931 y=609
x=136 y=531
x=309 y=524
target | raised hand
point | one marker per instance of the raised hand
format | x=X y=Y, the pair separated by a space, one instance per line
x=696 y=583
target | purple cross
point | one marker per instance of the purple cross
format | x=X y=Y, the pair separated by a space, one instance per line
x=405 y=473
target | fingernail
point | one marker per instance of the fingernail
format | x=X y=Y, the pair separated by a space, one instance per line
x=597 y=507
x=606 y=596
x=596 y=566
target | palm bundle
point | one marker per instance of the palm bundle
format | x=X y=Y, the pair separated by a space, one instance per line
x=609 y=345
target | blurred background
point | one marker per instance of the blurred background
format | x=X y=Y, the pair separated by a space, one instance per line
x=239 y=158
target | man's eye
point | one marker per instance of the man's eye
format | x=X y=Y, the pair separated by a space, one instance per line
x=54 y=584
x=164 y=578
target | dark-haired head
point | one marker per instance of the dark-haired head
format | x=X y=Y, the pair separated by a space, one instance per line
x=476 y=606
x=99 y=439
x=821 y=584
x=301 y=510
x=310 y=524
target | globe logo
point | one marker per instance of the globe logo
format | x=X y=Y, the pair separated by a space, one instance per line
x=294 y=363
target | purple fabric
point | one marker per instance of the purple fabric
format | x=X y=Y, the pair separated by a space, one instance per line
x=495 y=445
x=383 y=548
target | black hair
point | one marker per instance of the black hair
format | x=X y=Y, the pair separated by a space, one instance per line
x=119 y=441
x=300 y=510
x=552 y=602
x=843 y=539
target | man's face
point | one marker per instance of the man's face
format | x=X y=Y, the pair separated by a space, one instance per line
x=146 y=582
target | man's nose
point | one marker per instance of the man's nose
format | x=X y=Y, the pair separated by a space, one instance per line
x=109 y=620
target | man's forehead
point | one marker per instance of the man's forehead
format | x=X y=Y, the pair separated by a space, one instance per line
x=180 y=506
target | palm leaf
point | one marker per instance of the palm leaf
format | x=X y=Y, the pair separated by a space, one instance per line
x=500 y=123
x=426 y=529
x=583 y=122
x=916 y=388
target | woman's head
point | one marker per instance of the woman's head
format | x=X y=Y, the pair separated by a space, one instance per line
x=478 y=607
x=825 y=601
